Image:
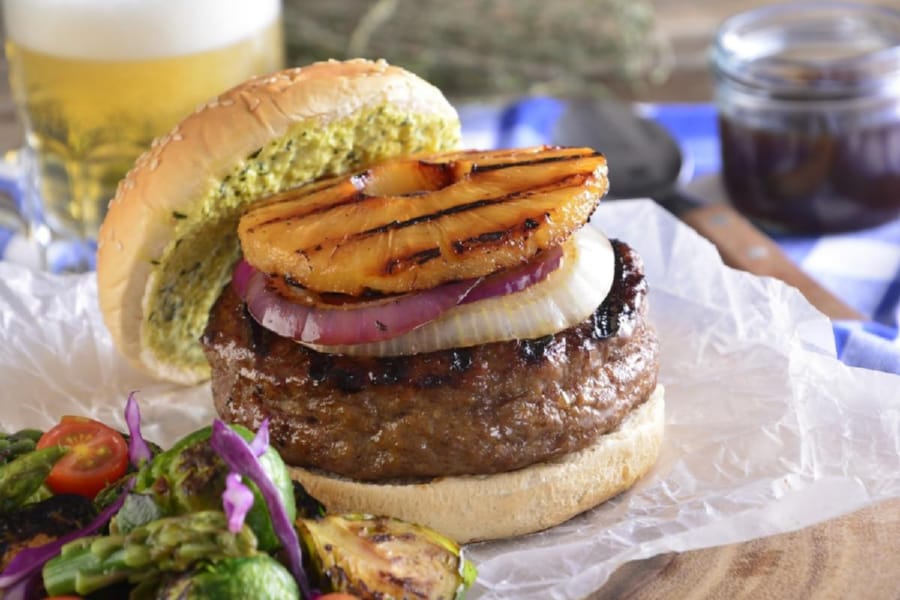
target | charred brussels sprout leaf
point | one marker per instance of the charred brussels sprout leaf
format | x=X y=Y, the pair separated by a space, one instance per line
x=379 y=557
x=138 y=509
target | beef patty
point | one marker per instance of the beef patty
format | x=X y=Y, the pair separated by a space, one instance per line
x=478 y=410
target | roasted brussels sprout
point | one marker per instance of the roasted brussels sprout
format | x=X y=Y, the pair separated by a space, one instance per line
x=260 y=577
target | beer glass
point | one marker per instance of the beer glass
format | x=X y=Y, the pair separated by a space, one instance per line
x=95 y=81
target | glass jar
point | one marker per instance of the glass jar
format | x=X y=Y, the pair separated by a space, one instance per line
x=808 y=96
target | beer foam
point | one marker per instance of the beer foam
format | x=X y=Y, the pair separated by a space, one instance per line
x=134 y=29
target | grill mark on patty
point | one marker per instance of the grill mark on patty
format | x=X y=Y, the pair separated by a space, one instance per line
x=534 y=351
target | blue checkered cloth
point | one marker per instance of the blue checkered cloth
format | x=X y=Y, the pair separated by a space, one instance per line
x=862 y=267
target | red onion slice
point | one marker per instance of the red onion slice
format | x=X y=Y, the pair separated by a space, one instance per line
x=516 y=280
x=371 y=322
x=382 y=320
x=241 y=277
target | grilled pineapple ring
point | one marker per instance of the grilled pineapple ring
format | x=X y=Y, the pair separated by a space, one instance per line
x=416 y=223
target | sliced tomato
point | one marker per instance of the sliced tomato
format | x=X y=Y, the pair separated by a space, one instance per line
x=98 y=455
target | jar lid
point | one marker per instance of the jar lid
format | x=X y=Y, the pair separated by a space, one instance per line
x=811 y=49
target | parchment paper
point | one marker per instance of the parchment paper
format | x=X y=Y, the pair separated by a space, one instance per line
x=766 y=431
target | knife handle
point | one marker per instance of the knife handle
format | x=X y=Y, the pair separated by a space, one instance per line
x=743 y=246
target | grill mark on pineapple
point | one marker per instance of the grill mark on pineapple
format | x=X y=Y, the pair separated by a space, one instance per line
x=441 y=176
x=444 y=171
x=402 y=263
x=299 y=191
x=490 y=238
x=446 y=212
x=520 y=228
x=516 y=231
x=301 y=213
x=469 y=206
x=481 y=168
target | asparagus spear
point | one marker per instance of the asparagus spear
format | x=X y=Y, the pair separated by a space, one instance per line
x=16 y=444
x=25 y=475
x=169 y=544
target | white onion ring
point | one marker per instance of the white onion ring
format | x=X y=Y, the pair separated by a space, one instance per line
x=564 y=299
x=378 y=321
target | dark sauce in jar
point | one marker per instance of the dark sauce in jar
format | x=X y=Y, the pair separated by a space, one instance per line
x=809 y=115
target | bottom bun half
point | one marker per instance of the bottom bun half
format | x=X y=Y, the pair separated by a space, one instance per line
x=476 y=508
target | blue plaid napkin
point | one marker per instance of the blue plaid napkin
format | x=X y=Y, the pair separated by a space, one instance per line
x=862 y=268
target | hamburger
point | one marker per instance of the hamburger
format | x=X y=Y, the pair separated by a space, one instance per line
x=433 y=333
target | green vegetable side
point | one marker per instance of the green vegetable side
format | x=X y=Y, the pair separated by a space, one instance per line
x=171 y=538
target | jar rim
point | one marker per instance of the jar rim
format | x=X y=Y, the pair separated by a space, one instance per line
x=822 y=49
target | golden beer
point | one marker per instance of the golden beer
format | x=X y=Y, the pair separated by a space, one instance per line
x=87 y=117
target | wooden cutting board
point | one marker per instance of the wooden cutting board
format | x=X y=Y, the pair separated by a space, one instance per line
x=855 y=557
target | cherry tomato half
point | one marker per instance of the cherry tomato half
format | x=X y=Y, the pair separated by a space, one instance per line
x=97 y=455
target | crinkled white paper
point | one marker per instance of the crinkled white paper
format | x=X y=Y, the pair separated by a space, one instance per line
x=766 y=431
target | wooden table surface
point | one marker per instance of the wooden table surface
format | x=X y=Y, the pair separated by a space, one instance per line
x=856 y=556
